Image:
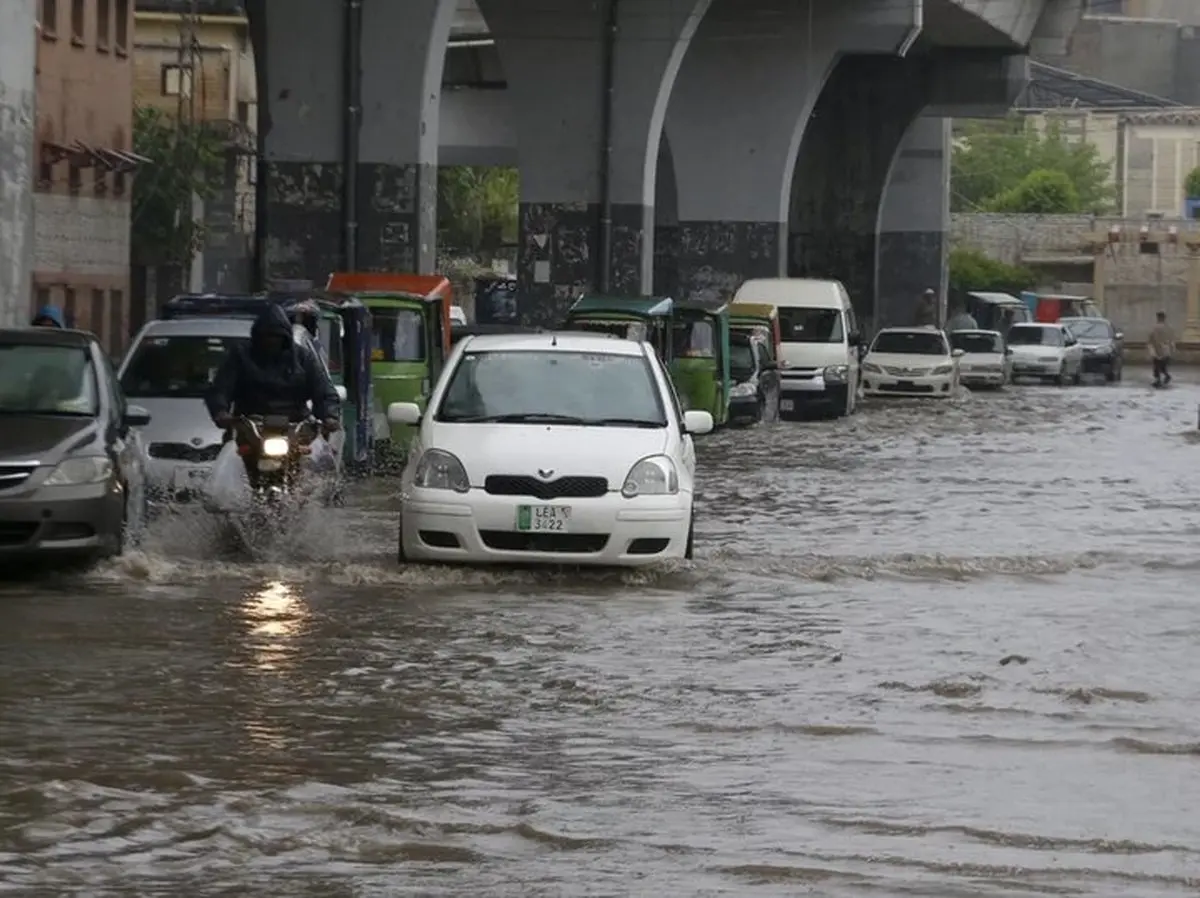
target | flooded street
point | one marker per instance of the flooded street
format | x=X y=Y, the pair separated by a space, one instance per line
x=931 y=651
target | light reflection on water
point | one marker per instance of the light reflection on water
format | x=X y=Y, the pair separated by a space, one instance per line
x=929 y=651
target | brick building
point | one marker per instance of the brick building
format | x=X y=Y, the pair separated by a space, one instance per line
x=84 y=78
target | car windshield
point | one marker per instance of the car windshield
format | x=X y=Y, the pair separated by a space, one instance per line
x=693 y=339
x=910 y=342
x=398 y=335
x=539 y=387
x=626 y=330
x=176 y=367
x=800 y=325
x=1034 y=336
x=47 y=380
x=974 y=342
x=1088 y=328
x=741 y=358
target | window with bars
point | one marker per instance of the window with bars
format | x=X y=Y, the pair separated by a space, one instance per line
x=103 y=21
x=122 y=26
x=49 y=18
x=77 y=21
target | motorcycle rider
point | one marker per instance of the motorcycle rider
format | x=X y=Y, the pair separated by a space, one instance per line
x=273 y=376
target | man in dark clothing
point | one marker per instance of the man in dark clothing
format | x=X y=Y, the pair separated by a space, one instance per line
x=273 y=376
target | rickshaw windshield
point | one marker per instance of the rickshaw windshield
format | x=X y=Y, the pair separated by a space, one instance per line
x=398 y=335
x=694 y=339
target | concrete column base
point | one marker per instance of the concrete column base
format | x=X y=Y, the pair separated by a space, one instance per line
x=909 y=264
x=706 y=261
x=397 y=218
x=557 y=263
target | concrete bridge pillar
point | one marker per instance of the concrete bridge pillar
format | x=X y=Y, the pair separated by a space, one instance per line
x=913 y=222
x=553 y=58
x=868 y=106
x=303 y=198
x=744 y=94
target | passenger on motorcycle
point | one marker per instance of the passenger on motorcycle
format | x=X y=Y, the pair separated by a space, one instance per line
x=306 y=314
x=273 y=376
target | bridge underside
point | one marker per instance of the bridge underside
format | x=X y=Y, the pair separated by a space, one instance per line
x=747 y=137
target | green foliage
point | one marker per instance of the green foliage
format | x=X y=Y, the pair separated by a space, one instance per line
x=476 y=205
x=993 y=159
x=1191 y=184
x=184 y=161
x=1041 y=192
x=972 y=270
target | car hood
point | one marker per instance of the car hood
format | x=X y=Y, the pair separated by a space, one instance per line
x=177 y=421
x=42 y=438
x=532 y=449
x=1034 y=351
x=906 y=360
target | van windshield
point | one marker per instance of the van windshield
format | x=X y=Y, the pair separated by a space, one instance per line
x=801 y=325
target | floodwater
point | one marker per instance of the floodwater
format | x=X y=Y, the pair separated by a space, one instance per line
x=931 y=651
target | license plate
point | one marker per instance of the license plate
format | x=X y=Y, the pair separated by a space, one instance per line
x=543 y=518
x=787 y=405
x=186 y=478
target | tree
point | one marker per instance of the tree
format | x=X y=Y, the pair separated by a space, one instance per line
x=185 y=161
x=1191 y=184
x=1041 y=192
x=972 y=270
x=477 y=203
x=993 y=158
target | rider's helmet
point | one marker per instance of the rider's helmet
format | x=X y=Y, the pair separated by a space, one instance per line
x=307 y=314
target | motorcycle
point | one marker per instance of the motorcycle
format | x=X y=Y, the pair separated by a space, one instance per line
x=273 y=450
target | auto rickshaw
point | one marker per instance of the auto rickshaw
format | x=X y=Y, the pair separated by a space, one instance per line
x=628 y=317
x=993 y=311
x=410 y=340
x=700 y=358
x=757 y=318
x=1047 y=308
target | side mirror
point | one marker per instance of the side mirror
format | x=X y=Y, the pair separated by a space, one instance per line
x=855 y=339
x=1119 y=335
x=957 y=353
x=136 y=416
x=341 y=392
x=696 y=421
x=403 y=413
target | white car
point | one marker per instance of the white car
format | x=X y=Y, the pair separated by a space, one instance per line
x=985 y=360
x=554 y=448
x=910 y=361
x=1046 y=352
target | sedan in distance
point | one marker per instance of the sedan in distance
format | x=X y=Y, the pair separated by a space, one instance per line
x=1103 y=346
x=71 y=463
x=555 y=448
x=1046 y=352
x=984 y=362
x=910 y=361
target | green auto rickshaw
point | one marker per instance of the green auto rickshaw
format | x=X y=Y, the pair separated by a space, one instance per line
x=700 y=359
x=629 y=317
x=410 y=322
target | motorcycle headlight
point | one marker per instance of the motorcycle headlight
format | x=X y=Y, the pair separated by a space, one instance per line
x=439 y=470
x=81 y=471
x=275 y=447
x=652 y=476
x=744 y=389
x=835 y=372
x=872 y=368
x=943 y=369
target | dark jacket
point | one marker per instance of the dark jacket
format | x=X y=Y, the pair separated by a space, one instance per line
x=251 y=383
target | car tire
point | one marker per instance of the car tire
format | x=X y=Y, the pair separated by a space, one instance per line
x=1062 y=379
x=1119 y=372
x=690 y=547
x=1078 y=378
x=401 y=555
x=761 y=414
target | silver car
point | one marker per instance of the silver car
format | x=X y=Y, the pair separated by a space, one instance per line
x=167 y=370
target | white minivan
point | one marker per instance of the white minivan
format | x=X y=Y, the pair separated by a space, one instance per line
x=819 y=340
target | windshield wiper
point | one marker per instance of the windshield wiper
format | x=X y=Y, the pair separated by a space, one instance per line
x=524 y=418
x=625 y=422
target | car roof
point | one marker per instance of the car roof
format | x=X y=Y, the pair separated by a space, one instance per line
x=977 y=330
x=561 y=341
x=45 y=336
x=199 y=327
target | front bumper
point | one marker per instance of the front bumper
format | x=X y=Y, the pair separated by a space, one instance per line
x=1036 y=368
x=982 y=377
x=68 y=521
x=800 y=392
x=176 y=481
x=612 y=531
x=1097 y=362
x=744 y=409
x=933 y=385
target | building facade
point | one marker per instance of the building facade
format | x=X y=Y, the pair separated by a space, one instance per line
x=84 y=166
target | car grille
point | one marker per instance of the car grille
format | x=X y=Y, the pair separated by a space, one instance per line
x=897 y=388
x=566 y=543
x=562 y=488
x=906 y=372
x=12 y=476
x=184 y=452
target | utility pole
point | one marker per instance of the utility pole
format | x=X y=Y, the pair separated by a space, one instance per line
x=185 y=122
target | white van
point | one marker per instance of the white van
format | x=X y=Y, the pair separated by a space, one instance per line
x=818 y=353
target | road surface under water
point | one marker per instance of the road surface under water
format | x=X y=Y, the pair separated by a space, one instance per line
x=933 y=650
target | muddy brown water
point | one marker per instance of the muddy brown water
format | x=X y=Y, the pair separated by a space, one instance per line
x=932 y=651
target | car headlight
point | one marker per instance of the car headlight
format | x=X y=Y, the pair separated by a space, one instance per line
x=652 y=476
x=439 y=470
x=742 y=390
x=81 y=471
x=275 y=447
x=872 y=368
x=944 y=369
x=835 y=372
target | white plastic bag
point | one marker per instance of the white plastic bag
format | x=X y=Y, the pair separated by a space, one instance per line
x=228 y=486
x=323 y=459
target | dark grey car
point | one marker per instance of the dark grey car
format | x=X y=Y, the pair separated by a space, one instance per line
x=71 y=466
x=1103 y=346
x=755 y=394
